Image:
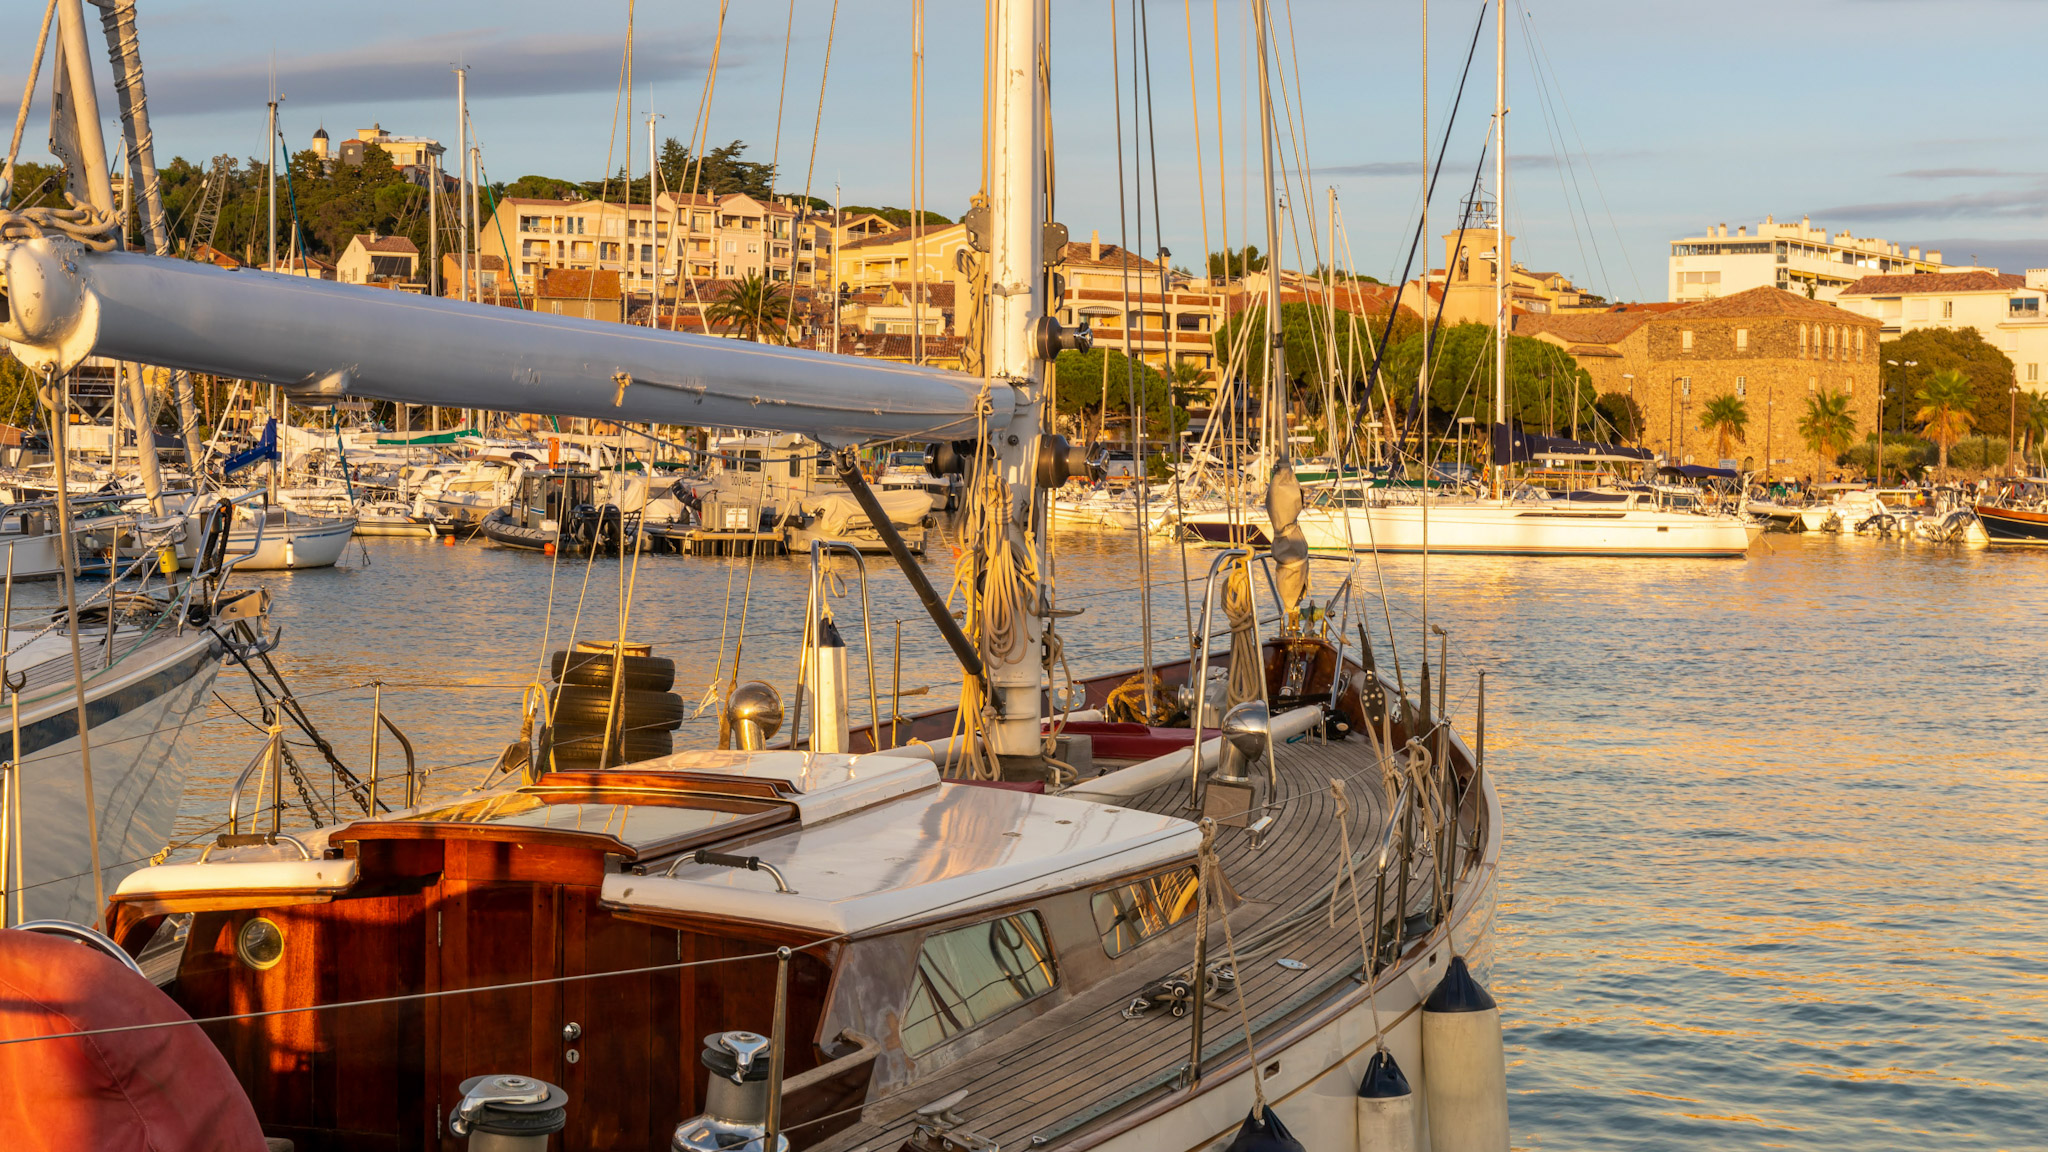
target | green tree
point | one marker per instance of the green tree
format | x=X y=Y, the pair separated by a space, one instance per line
x=1946 y=411
x=1230 y=265
x=2033 y=423
x=1727 y=417
x=1827 y=427
x=722 y=171
x=1932 y=350
x=542 y=188
x=1620 y=413
x=1547 y=390
x=752 y=307
x=1084 y=380
x=1304 y=331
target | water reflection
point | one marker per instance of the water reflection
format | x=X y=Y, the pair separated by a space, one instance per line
x=1774 y=873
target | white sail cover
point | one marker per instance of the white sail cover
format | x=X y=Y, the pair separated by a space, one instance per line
x=836 y=513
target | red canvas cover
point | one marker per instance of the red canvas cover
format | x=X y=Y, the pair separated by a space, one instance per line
x=157 y=1089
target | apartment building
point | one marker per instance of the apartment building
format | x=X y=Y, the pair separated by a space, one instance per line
x=676 y=241
x=405 y=151
x=1791 y=257
x=2005 y=308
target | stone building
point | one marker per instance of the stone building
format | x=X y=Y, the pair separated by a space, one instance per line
x=1772 y=349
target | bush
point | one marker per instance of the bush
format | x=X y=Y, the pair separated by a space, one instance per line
x=1903 y=454
x=1978 y=452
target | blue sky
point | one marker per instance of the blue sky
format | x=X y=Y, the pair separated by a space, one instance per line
x=1914 y=121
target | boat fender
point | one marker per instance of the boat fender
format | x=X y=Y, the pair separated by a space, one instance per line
x=1262 y=1131
x=1386 y=1107
x=1464 y=1082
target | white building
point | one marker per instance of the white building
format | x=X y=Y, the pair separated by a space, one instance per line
x=2006 y=309
x=1793 y=257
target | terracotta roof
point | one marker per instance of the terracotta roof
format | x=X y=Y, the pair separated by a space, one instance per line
x=541 y=201
x=1914 y=284
x=936 y=294
x=574 y=283
x=1077 y=255
x=387 y=244
x=1582 y=327
x=1766 y=302
x=1651 y=306
x=902 y=235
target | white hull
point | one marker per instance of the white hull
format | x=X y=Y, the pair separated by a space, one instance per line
x=1528 y=529
x=315 y=544
x=138 y=715
x=1322 y=1059
x=34 y=557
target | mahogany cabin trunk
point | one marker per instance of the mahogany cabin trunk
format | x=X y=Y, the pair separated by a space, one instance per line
x=432 y=915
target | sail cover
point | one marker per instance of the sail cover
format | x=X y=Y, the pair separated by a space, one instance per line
x=1513 y=445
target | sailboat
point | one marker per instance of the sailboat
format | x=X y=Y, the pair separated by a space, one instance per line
x=1026 y=922
x=1618 y=521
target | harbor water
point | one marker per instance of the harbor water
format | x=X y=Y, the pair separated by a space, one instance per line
x=1775 y=862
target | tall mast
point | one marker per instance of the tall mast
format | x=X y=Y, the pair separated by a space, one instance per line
x=1017 y=300
x=270 y=172
x=1501 y=414
x=1276 y=353
x=462 y=180
x=434 y=191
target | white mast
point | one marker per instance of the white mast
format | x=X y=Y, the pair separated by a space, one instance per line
x=1501 y=415
x=1276 y=354
x=462 y=171
x=1017 y=300
x=270 y=169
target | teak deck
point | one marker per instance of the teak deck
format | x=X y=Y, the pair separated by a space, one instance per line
x=1083 y=1060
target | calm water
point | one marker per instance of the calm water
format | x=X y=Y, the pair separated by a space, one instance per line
x=1774 y=871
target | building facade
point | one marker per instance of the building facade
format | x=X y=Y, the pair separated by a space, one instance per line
x=672 y=244
x=2006 y=309
x=386 y=261
x=1791 y=257
x=1773 y=350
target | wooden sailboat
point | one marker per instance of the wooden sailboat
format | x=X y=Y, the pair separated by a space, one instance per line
x=1118 y=914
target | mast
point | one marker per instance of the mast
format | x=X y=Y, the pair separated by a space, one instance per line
x=433 y=225
x=1017 y=300
x=270 y=182
x=462 y=177
x=1276 y=352
x=1501 y=416
x=77 y=103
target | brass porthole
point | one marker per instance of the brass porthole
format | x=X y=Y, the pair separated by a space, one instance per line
x=260 y=944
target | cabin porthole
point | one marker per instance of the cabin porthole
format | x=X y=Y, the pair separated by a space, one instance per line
x=260 y=944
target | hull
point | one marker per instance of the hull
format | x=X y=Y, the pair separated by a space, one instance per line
x=2013 y=526
x=33 y=557
x=1322 y=1058
x=293 y=546
x=137 y=717
x=1528 y=530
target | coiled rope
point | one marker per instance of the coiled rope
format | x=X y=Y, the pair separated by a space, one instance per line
x=81 y=222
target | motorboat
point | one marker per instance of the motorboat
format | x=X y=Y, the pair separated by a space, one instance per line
x=1583 y=523
x=278 y=539
x=555 y=509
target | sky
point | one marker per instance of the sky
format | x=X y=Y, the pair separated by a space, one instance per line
x=1631 y=124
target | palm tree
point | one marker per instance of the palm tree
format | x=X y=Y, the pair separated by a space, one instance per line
x=2033 y=421
x=1945 y=409
x=1727 y=417
x=751 y=307
x=1827 y=427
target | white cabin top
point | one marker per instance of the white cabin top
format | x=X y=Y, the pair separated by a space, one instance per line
x=933 y=854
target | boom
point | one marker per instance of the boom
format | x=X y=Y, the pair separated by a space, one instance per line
x=61 y=301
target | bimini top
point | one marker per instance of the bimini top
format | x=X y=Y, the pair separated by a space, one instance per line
x=932 y=854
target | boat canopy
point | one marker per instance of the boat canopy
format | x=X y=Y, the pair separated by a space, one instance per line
x=1512 y=444
x=1699 y=472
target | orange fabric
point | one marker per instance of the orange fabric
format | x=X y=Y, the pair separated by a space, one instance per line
x=155 y=1090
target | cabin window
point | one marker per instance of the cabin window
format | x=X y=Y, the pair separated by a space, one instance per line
x=970 y=975
x=1129 y=914
x=750 y=459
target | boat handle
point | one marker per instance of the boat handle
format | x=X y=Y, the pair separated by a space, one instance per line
x=727 y=860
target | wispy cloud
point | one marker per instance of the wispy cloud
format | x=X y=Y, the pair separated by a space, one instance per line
x=1534 y=161
x=2029 y=201
x=1960 y=174
x=417 y=68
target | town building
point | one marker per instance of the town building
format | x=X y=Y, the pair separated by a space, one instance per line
x=1793 y=257
x=1463 y=290
x=2005 y=308
x=1770 y=348
x=405 y=151
x=385 y=261
x=586 y=293
x=676 y=242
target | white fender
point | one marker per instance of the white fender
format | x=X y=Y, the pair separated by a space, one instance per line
x=1386 y=1107
x=1465 y=1077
